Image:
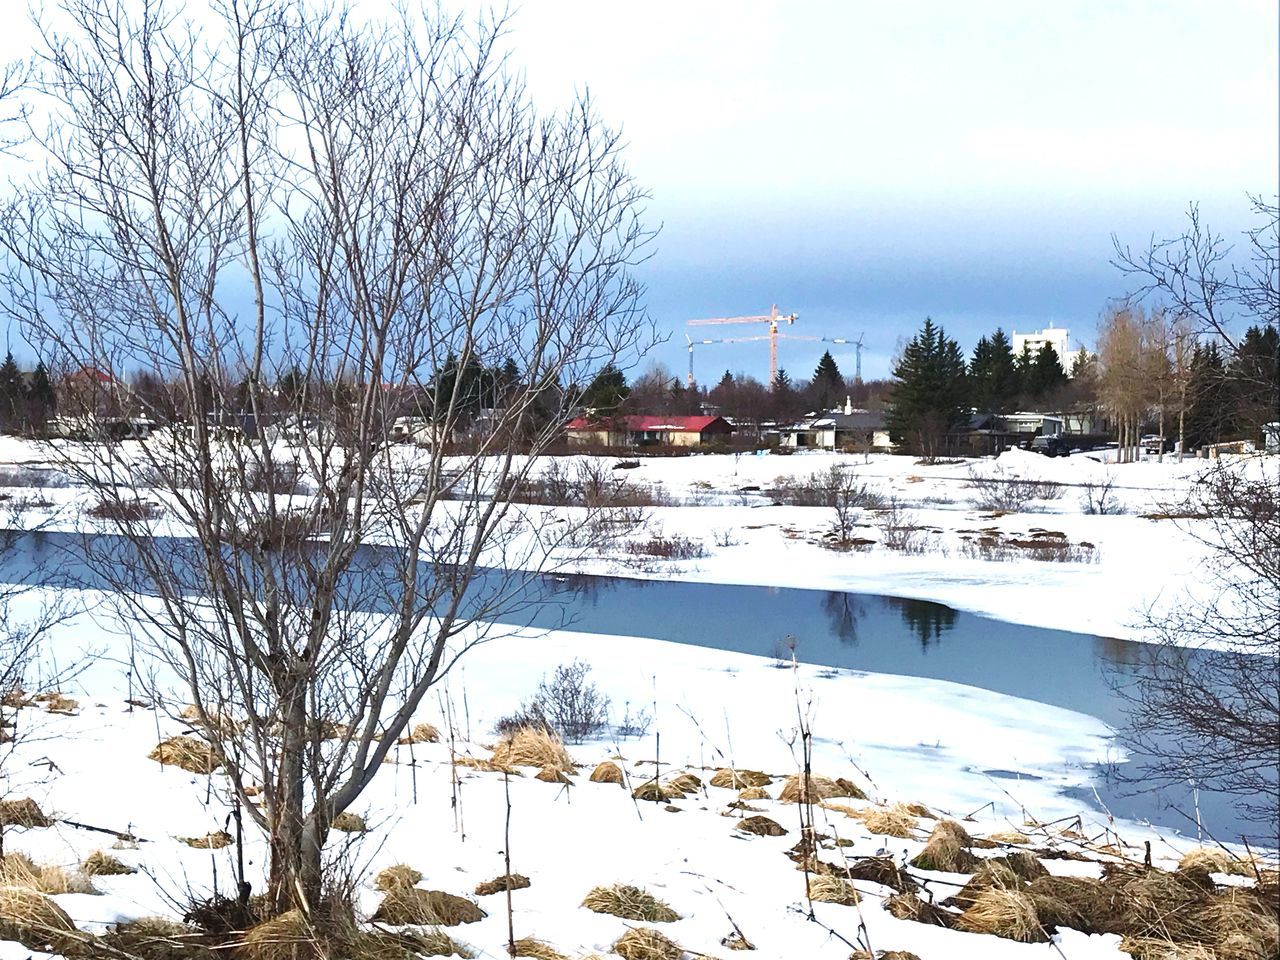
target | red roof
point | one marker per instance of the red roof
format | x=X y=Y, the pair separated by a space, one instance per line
x=647 y=424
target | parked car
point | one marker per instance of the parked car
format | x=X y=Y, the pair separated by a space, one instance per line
x=1151 y=443
x=1054 y=445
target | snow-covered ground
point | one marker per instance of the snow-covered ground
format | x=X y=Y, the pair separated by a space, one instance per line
x=900 y=739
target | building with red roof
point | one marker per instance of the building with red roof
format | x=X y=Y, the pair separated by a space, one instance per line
x=640 y=430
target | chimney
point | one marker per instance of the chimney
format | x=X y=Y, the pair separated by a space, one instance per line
x=848 y=405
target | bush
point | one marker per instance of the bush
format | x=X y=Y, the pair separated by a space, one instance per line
x=1100 y=499
x=667 y=548
x=837 y=486
x=275 y=477
x=899 y=531
x=130 y=511
x=30 y=477
x=998 y=491
x=568 y=705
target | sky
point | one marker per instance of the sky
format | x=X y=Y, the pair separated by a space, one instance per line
x=864 y=165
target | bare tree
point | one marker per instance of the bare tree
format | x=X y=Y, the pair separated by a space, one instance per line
x=1122 y=384
x=1206 y=706
x=308 y=226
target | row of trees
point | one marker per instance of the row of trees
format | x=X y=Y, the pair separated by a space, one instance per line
x=935 y=388
x=27 y=401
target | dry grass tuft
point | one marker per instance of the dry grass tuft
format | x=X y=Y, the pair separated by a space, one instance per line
x=157 y=938
x=990 y=875
x=23 y=812
x=57 y=703
x=532 y=747
x=607 y=772
x=917 y=810
x=761 y=827
x=397 y=876
x=818 y=789
x=945 y=854
x=949 y=828
x=908 y=906
x=1004 y=913
x=477 y=763
x=629 y=903
x=192 y=755
x=884 y=871
x=644 y=943
x=17 y=870
x=1157 y=904
x=427 y=908
x=753 y=793
x=508 y=881
x=102 y=864
x=1024 y=863
x=1009 y=836
x=1213 y=860
x=437 y=943
x=286 y=937
x=654 y=792
x=740 y=779
x=349 y=822
x=829 y=889
x=34 y=920
x=1094 y=908
x=422 y=733
x=528 y=947
x=898 y=955
x=889 y=823
x=1148 y=948
x=210 y=841
x=552 y=775
x=685 y=783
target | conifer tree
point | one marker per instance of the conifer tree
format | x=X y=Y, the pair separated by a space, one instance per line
x=993 y=376
x=928 y=400
x=827 y=384
x=10 y=393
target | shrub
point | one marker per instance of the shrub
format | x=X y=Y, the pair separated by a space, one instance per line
x=31 y=477
x=998 y=491
x=667 y=548
x=130 y=511
x=275 y=477
x=568 y=704
x=1099 y=498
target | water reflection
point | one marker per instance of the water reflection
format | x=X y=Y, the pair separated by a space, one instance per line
x=927 y=621
x=844 y=610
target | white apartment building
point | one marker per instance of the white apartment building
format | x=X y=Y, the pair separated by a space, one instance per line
x=1057 y=337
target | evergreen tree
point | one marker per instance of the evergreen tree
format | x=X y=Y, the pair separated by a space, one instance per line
x=43 y=399
x=927 y=401
x=1024 y=365
x=993 y=375
x=606 y=392
x=1046 y=373
x=10 y=394
x=1254 y=373
x=1207 y=407
x=827 y=384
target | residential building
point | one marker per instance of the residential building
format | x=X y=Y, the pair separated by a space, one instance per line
x=636 y=430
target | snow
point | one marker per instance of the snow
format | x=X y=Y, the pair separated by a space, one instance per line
x=901 y=738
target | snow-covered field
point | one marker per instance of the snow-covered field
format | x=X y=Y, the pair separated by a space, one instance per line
x=899 y=739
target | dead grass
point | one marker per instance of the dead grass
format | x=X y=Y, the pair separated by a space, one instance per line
x=57 y=703
x=478 y=763
x=1089 y=900
x=1009 y=836
x=286 y=937
x=761 y=827
x=23 y=812
x=828 y=889
x=655 y=792
x=1001 y=912
x=1213 y=860
x=529 y=947
x=908 y=906
x=1146 y=948
x=17 y=870
x=607 y=772
x=753 y=793
x=817 y=789
x=34 y=920
x=629 y=903
x=645 y=943
x=945 y=854
x=508 y=881
x=990 y=875
x=349 y=822
x=397 y=876
x=950 y=828
x=210 y=841
x=552 y=775
x=427 y=908
x=421 y=733
x=740 y=779
x=102 y=864
x=685 y=783
x=157 y=938
x=533 y=747
x=188 y=753
x=889 y=823
x=884 y=871
x=1024 y=863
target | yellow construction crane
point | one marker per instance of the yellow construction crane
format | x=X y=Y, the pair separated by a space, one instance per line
x=773 y=319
